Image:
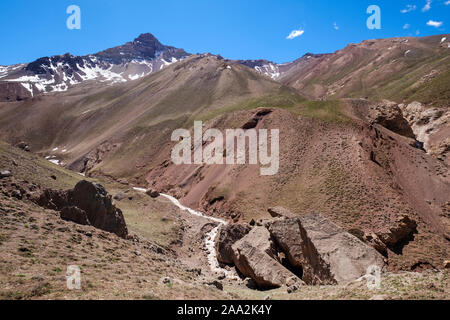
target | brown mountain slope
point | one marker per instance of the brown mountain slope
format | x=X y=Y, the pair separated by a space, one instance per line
x=37 y=246
x=362 y=176
x=333 y=160
x=120 y=130
x=397 y=69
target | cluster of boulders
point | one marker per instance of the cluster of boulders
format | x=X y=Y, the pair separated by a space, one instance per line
x=5 y=174
x=292 y=251
x=87 y=204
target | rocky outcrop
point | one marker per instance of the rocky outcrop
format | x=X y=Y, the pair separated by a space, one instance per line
x=398 y=235
x=286 y=234
x=89 y=204
x=19 y=189
x=254 y=256
x=431 y=126
x=334 y=255
x=75 y=214
x=277 y=212
x=226 y=237
x=375 y=242
x=253 y=122
x=389 y=115
x=310 y=249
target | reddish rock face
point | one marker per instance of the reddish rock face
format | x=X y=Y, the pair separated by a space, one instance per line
x=399 y=234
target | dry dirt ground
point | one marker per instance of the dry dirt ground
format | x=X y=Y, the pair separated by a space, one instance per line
x=37 y=246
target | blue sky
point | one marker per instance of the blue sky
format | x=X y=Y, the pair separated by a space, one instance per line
x=236 y=29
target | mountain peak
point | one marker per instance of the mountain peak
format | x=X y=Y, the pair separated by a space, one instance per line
x=146 y=46
x=145 y=37
x=148 y=40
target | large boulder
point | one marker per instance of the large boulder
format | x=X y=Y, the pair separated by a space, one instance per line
x=97 y=203
x=286 y=234
x=255 y=257
x=334 y=255
x=226 y=237
x=88 y=203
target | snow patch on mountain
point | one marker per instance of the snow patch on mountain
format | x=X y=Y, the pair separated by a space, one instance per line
x=132 y=61
x=271 y=70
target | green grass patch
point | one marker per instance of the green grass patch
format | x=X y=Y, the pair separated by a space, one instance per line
x=329 y=111
x=285 y=99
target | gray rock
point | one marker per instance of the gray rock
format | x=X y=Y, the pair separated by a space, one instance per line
x=333 y=255
x=5 y=174
x=226 y=237
x=254 y=256
x=286 y=233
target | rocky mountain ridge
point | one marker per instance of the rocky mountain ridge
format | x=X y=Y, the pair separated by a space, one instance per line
x=131 y=61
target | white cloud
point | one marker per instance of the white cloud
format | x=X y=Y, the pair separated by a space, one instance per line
x=435 y=24
x=336 y=27
x=295 y=34
x=427 y=6
x=447 y=3
x=406 y=26
x=409 y=8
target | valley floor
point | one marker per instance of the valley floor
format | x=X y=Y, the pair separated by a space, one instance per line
x=166 y=258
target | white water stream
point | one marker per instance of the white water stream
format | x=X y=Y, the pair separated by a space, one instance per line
x=209 y=238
